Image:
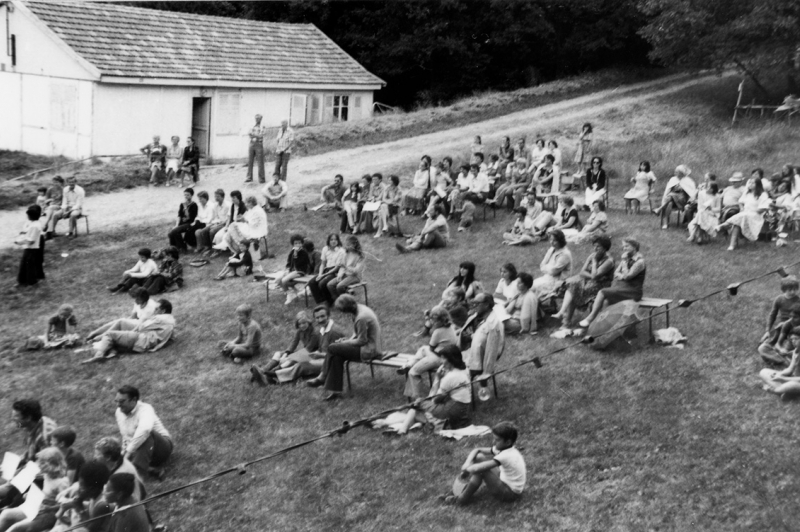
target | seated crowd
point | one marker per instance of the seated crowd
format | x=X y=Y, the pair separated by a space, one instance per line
x=67 y=491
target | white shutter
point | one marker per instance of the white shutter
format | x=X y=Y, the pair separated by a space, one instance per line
x=327 y=111
x=355 y=112
x=298 y=113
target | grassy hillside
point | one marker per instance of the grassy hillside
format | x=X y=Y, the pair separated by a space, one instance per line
x=639 y=438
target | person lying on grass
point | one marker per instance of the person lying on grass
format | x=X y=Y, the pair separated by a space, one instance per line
x=137 y=275
x=144 y=307
x=148 y=336
x=501 y=468
x=118 y=493
x=451 y=386
x=306 y=362
x=434 y=234
x=785 y=383
x=777 y=349
x=247 y=343
x=60 y=331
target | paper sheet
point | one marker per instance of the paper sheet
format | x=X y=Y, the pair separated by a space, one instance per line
x=10 y=465
x=24 y=478
x=33 y=501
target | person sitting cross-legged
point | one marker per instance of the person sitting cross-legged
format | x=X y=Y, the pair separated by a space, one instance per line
x=364 y=345
x=60 y=331
x=434 y=234
x=247 y=343
x=148 y=336
x=501 y=468
x=275 y=193
x=785 y=383
x=147 y=443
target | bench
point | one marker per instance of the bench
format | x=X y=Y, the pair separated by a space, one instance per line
x=85 y=219
x=653 y=304
x=302 y=282
x=486 y=205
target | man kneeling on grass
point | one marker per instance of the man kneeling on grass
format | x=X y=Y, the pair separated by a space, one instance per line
x=247 y=343
x=500 y=467
x=149 y=335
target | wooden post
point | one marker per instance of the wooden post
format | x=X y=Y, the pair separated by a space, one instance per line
x=738 y=103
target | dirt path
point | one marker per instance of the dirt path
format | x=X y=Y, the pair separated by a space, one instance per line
x=145 y=206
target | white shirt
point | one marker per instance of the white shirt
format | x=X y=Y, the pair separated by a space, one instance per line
x=481 y=184
x=136 y=427
x=256 y=223
x=325 y=330
x=204 y=214
x=73 y=198
x=512 y=468
x=219 y=213
x=146 y=312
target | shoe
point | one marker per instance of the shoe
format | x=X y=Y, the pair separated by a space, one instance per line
x=315 y=383
x=237 y=360
x=257 y=376
x=401 y=248
x=333 y=396
x=114 y=289
x=420 y=333
x=450 y=500
x=460 y=229
x=111 y=354
x=219 y=278
x=248 y=181
x=583 y=324
x=403 y=371
x=377 y=235
x=664 y=227
x=272 y=378
x=157 y=473
x=290 y=297
x=731 y=248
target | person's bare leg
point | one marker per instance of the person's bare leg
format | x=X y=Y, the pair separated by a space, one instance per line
x=735 y=231
x=564 y=305
x=666 y=210
x=596 y=308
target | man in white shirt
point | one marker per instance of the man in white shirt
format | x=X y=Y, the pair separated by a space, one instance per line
x=283 y=151
x=145 y=441
x=219 y=216
x=482 y=339
x=71 y=207
x=253 y=228
x=275 y=193
x=479 y=186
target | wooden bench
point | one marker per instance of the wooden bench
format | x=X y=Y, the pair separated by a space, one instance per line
x=85 y=219
x=653 y=304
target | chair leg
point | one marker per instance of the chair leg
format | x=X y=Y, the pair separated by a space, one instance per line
x=85 y=219
x=494 y=384
x=366 y=298
x=472 y=394
x=371 y=369
x=347 y=373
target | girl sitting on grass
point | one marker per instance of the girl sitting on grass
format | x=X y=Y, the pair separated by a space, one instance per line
x=451 y=386
x=60 y=331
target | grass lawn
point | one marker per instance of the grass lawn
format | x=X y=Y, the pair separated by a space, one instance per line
x=644 y=439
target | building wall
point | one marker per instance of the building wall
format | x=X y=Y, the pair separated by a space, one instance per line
x=46 y=98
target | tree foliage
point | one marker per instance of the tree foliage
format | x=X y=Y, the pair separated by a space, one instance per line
x=434 y=50
x=753 y=34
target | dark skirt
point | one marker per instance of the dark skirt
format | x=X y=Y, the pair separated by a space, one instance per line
x=679 y=198
x=622 y=291
x=454 y=414
x=584 y=290
x=30 y=267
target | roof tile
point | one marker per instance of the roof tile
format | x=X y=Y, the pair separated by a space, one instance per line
x=138 y=42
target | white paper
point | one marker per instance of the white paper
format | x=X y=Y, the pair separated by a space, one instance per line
x=33 y=501
x=10 y=465
x=25 y=478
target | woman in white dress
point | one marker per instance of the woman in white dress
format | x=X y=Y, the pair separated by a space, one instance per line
x=414 y=200
x=704 y=225
x=642 y=187
x=750 y=219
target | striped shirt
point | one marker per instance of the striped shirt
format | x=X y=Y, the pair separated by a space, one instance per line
x=257 y=134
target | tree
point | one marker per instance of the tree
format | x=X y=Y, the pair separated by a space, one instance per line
x=754 y=35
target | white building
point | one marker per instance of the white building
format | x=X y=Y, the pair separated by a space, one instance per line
x=82 y=79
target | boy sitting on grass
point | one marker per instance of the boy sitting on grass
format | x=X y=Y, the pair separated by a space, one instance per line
x=501 y=467
x=247 y=343
x=785 y=383
x=777 y=350
x=60 y=331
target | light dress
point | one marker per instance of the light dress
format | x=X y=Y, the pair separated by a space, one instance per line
x=749 y=220
x=642 y=182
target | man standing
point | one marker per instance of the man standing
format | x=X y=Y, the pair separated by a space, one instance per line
x=71 y=207
x=157 y=154
x=256 y=151
x=482 y=338
x=284 y=141
x=147 y=336
x=190 y=162
x=145 y=441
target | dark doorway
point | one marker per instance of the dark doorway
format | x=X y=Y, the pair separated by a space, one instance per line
x=201 y=123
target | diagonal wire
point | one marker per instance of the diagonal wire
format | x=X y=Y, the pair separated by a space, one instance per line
x=347 y=425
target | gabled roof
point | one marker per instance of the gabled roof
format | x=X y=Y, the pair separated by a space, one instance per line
x=145 y=43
